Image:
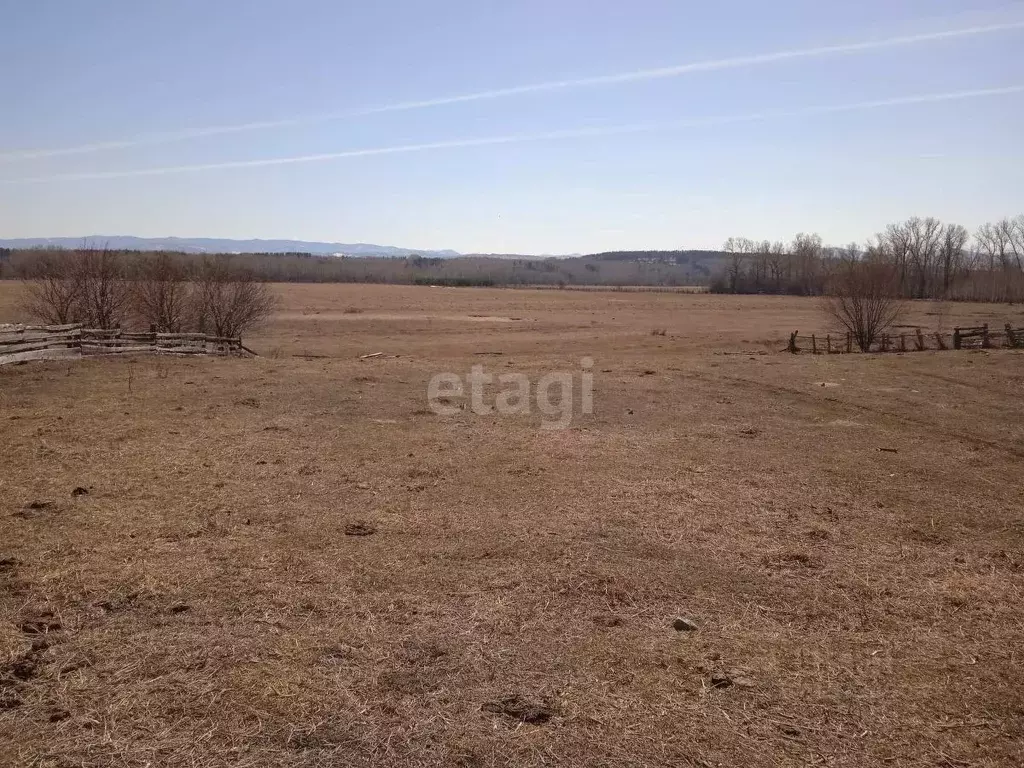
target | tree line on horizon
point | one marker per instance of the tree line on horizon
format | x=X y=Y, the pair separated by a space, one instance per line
x=923 y=258
x=672 y=268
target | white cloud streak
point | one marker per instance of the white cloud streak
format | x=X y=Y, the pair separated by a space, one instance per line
x=500 y=93
x=571 y=133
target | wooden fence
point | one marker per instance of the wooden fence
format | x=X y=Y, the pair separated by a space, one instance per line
x=20 y=343
x=979 y=337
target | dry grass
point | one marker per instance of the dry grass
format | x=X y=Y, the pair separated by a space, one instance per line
x=291 y=561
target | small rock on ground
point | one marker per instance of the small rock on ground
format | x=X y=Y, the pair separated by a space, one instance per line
x=731 y=677
x=360 y=529
x=520 y=709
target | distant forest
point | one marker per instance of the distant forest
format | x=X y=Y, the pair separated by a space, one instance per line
x=928 y=260
x=645 y=268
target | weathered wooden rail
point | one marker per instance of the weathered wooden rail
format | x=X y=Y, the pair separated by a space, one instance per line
x=979 y=337
x=20 y=343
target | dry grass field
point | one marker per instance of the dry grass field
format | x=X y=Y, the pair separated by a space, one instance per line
x=846 y=531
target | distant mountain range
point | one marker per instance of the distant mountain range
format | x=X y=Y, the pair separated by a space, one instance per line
x=221 y=245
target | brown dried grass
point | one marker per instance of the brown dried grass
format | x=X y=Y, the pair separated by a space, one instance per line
x=203 y=605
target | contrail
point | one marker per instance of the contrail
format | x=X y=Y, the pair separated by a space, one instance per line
x=571 y=133
x=554 y=85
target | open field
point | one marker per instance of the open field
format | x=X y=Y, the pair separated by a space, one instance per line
x=846 y=531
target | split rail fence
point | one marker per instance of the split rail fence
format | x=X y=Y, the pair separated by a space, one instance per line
x=19 y=343
x=977 y=337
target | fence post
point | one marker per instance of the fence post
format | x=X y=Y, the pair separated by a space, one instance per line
x=814 y=345
x=849 y=342
x=1011 y=340
x=792 y=342
x=985 y=341
x=956 y=337
x=920 y=341
x=828 y=342
x=903 y=343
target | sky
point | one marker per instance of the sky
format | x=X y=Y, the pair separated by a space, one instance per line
x=535 y=126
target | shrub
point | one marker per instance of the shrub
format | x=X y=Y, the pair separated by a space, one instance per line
x=864 y=299
x=52 y=293
x=162 y=295
x=229 y=298
x=86 y=286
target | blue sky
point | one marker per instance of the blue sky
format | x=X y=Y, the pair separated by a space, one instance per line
x=622 y=145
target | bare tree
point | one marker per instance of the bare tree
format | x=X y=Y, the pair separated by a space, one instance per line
x=230 y=300
x=864 y=298
x=894 y=243
x=1014 y=232
x=778 y=263
x=105 y=291
x=998 y=245
x=52 y=288
x=161 y=293
x=952 y=261
x=924 y=239
x=739 y=250
x=807 y=253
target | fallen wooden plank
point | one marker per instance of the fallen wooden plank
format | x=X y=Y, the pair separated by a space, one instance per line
x=111 y=342
x=118 y=342
x=186 y=351
x=16 y=328
x=367 y=357
x=30 y=346
x=38 y=331
x=40 y=354
x=193 y=336
x=199 y=337
x=148 y=350
x=6 y=343
x=102 y=349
